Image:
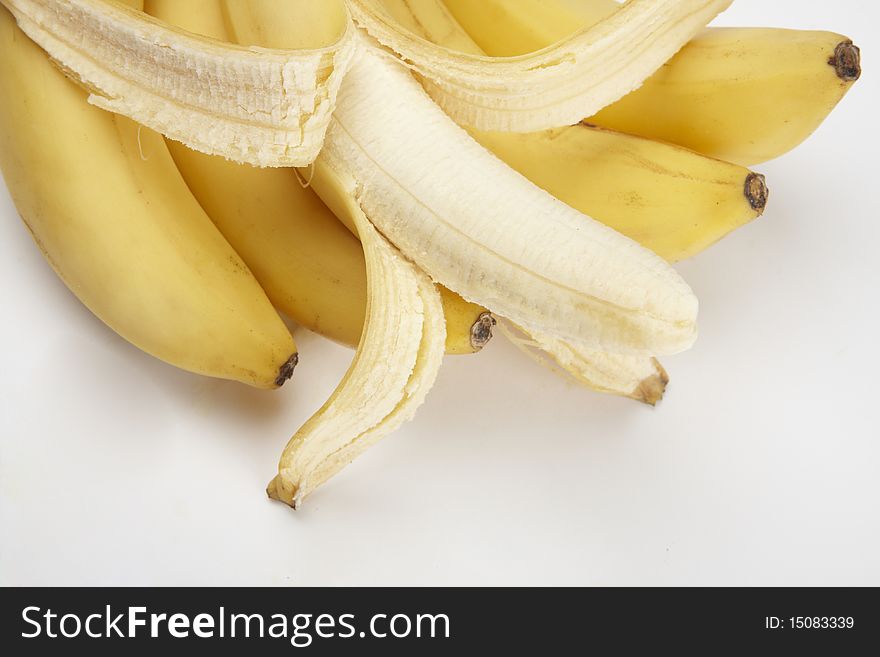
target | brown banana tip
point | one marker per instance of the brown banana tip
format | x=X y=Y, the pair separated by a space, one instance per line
x=276 y=491
x=756 y=192
x=481 y=331
x=847 y=61
x=651 y=390
x=286 y=370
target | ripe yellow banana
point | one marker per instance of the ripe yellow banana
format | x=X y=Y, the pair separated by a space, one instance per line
x=309 y=264
x=745 y=95
x=634 y=375
x=374 y=169
x=104 y=202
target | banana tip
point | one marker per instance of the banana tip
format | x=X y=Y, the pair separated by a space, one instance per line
x=286 y=370
x=481 y=331
x=847 y=61
x=651 y=389
x=756 y=192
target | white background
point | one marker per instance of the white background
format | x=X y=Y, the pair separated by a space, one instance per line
x=762 y=465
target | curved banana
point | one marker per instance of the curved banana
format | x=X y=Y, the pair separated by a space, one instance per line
x=746 y=95
x=104 y=202
x=508 y=28
x=266 y=107
x=311 y=267
x=556 y=86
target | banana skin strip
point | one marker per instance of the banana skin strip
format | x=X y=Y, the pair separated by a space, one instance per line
x=396 y=363
x=553 y=87
x=251 y=105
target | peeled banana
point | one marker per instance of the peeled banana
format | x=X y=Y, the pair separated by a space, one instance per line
x=746 y=95
x=556 y=86
x=669 y=199
x=587 y=362
x=508 y=245
x=104 y=202
x=349 y=184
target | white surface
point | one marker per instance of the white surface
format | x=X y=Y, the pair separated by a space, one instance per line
x=762 y=465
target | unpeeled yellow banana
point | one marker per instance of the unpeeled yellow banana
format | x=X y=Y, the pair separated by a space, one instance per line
x=105 y=203
x=555 y=86
x=672 y=200
x=745 y=95
x=429 y=204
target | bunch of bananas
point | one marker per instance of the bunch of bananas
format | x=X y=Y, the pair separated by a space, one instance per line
x=387 y=172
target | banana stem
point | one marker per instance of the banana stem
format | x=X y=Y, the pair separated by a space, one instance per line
x=756 y=192
x=481 y=331
x=286 y=370
x=847 y=61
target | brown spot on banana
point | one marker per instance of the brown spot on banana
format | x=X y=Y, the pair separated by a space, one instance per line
x=756 y=192
x=286 y=370
x=481 y=331
x=847 y=61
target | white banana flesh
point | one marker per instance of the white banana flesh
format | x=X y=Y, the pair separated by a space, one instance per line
x=257 y=106
x=395 y=365
x=553 y=87
x=481 y=229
